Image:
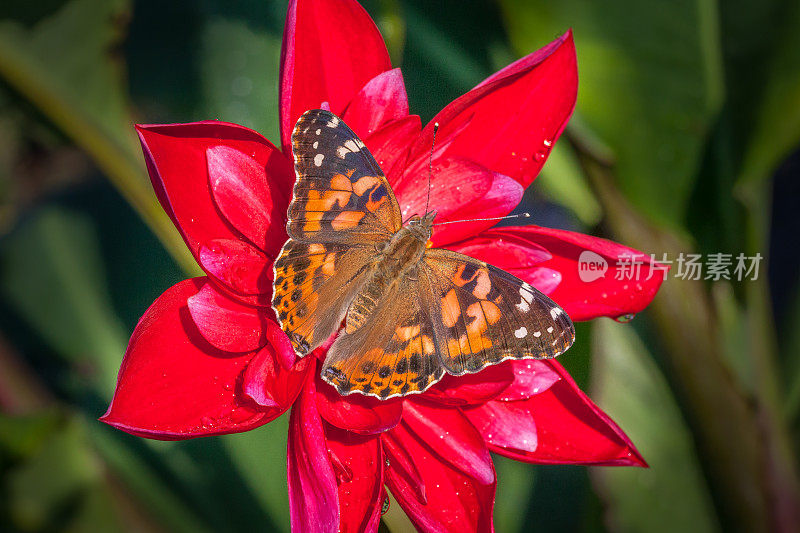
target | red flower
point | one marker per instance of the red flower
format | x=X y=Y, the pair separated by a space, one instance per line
x=207 y=357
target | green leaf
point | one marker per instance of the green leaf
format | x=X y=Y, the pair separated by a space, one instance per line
x=140 y=477
x=733 y=334
x=57 y=485
x=777 y=124
x=631 y=389
x=260 y=457
x=515 y=483
x=443 y=58
x=239 y=67
x=561 y=179
x=650 y=86
x=789 y=343
x=23 y=436
x=65 y=66
x=54 y=276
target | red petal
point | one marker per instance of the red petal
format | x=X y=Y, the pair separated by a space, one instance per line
x=226 y=324
x=269 y=384
x=514 y=117
x=176 y=159
x=242 y=267
x=390 y=145
x=503 y=196
x=505 y=424
x=506 y=251
x=172 y=384
x=358 y=463
x=459 y=190
x=245 y=197
x=448 y=432
x=454 y=501
x=606 y=296
x=531 y=377
x=284 y=350
x=570 y=428
x=330 y=51
x=382 y=99
x=356 y=412
x=471 y=389
x=402 y=464
x=313 y=495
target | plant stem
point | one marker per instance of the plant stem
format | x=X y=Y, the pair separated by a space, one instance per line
x=726 y=427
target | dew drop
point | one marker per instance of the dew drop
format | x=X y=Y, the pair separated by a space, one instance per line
x=624 y=319
x=385 y=506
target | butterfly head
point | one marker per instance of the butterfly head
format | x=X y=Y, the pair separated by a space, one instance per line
x=422 y=226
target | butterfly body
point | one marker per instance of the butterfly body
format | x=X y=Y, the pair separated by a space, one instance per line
x=411 y=313
x=395 y=261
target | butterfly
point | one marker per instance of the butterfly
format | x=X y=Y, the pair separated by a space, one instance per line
x=406 y=313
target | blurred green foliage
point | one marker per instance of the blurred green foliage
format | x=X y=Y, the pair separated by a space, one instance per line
x=686 y=112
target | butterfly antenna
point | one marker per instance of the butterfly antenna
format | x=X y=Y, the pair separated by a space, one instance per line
x=430 y=167
x=520 y=215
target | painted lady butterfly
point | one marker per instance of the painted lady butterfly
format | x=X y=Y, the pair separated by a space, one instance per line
x=411 y=313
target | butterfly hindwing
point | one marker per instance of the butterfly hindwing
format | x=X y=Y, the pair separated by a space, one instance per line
x=392 y=354
x=483 y=315
x=341 y=194
x=313 y=284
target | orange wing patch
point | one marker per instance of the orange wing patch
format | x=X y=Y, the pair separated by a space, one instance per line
x=299 y=271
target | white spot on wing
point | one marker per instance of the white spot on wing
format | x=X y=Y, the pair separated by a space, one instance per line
x=526 y=292
x=316 y=143
x=318 y=131
x=550 y=329
x=521 y=332
x=341 y=152
x=526 y=297
x=554 y=312
x=351 y=145
x=318 y=159
x=537 y=333
x=333 y=122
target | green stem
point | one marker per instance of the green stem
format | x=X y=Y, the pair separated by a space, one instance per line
x=117 y=162
x=763 y=347
x=726 y=427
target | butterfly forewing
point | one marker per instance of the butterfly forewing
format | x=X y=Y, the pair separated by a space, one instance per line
x=340 y=194
x=342 y=207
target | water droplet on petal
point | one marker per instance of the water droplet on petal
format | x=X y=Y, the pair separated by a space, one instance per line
x=624 y=319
